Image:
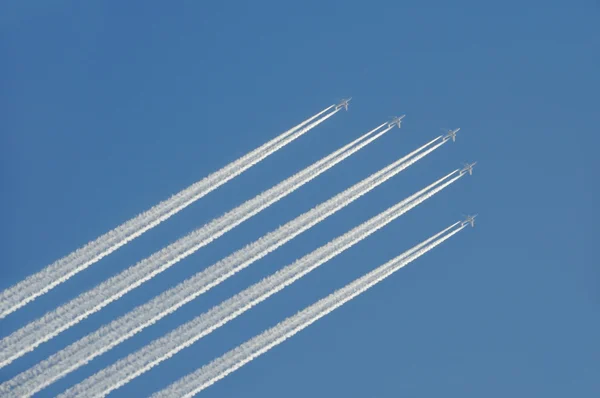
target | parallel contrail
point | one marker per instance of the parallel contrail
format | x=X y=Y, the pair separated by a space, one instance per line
x=109 y=336
x=61 y=270
x=67 y=315
x=163 y=348
x=219 y=368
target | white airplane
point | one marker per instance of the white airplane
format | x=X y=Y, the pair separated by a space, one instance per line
x=468 y=168
x=343 y=104
x=469 y=220
x=396 y=120
x=451 y=134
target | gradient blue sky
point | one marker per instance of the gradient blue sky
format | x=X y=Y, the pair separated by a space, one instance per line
x=107 y=108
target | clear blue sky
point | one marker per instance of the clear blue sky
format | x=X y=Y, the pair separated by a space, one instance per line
x=107 y=108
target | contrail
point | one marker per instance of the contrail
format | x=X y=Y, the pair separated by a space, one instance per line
x=61 y=270
x=163 y=348
x=67 y=315
x=119 y=330
x=219 y=368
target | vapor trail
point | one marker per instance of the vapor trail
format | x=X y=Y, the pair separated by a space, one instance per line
x=119 y=330
x=163 y=348
x=219 y=368
x=61 y=270
x=67 y=315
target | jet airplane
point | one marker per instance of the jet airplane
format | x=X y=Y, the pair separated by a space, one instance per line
x=469 y=220
x=396 y=120
x=343 y=104
x=451 y=134
x=468 y=168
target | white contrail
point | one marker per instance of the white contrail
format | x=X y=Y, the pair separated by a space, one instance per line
x=61 y=270
x=163 y=348
x=67 y=315
x=219 y=368
x=119 y=330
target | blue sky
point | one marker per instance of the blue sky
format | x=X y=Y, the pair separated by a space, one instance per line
x=106 y=108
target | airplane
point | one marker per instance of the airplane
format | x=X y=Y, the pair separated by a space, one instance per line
x=343 y=104
x=396 y=120
x=469 y=220
x=451 y=134
x=468 y=168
